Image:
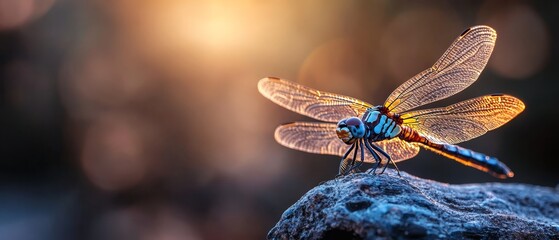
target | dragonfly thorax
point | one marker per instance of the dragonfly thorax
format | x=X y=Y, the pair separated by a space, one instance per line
x=350 y=129
x=381 y=124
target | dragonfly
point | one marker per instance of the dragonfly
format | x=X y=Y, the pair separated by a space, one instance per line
x=395 y=131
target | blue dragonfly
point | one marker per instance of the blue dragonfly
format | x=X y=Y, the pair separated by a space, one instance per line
x=385 y=134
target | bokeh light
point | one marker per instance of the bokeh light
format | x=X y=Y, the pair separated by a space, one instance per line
x=15 y=13
x=522 y=47
x=117 y=152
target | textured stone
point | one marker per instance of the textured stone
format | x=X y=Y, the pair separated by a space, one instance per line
x=364 y=206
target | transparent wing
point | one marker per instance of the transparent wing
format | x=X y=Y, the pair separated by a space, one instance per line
x=464 y=120
x=457 y=69
x=324 y=106
x=321 y=138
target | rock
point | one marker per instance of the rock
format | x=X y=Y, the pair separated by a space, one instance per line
x=364 y=206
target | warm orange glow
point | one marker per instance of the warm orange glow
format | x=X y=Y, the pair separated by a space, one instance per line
x=210 y=25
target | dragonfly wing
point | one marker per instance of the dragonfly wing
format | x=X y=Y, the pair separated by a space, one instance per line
x=457 y=69
x=464 y=120
x=397 y=149
x=324 y=106
x=312 y=137
x=321 y=138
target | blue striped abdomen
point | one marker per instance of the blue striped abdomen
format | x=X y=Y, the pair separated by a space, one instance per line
x=463 y=155
x=474 y=159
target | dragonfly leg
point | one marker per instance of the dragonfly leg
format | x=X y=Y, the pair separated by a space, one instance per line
x=362 y=153
x=395 y=166
x=356 y=167
x=354 y=157
x=375 y=156
x=345 y=162
x=388 y=157
x=385 y=166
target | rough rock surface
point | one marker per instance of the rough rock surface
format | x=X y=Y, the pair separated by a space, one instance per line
x=363 y=206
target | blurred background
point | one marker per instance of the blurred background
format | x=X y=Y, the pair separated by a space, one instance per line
x=142 y=120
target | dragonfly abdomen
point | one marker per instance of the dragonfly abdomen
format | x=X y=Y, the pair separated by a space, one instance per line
x=463 y=155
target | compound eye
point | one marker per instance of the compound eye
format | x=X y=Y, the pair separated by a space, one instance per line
x=353 y=121
x=342 y=123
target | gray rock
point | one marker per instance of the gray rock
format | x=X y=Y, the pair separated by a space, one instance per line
x=364 y=206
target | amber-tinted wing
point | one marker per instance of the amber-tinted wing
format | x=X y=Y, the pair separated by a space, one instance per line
x=464 y=120
x=457 y=69
x=321 y=138
x=325 y=106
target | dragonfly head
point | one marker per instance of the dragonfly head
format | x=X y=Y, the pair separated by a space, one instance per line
x=350 y=129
